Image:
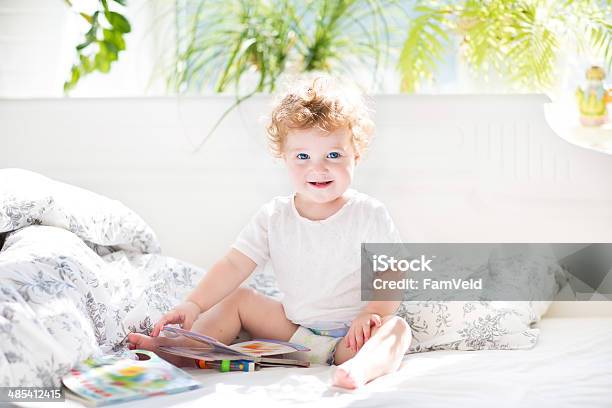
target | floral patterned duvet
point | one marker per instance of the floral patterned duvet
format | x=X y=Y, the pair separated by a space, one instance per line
x=78 y=271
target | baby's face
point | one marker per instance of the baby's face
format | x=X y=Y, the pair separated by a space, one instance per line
x=320 y=163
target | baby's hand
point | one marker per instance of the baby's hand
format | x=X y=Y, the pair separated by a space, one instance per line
x=184 y=314
x=360 y=330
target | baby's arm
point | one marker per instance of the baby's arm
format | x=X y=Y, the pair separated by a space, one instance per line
x=370 y=315
x=220 y=280
x=224 y=276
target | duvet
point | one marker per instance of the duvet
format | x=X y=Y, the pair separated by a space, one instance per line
x=78 y=271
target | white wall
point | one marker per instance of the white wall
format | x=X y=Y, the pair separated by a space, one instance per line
x=450 y=169
x=31 y=36
x=38 y=40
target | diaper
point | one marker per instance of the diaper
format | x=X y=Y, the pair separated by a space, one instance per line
x=322 y=344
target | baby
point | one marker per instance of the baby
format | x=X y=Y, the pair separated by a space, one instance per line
x=312 y=239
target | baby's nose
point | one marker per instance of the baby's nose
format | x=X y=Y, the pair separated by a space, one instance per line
x=319 y=167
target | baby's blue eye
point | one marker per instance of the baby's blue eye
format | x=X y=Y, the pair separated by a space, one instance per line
x=302 y=156
x=333 y=155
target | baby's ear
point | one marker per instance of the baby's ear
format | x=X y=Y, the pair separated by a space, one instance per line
x=357 y=158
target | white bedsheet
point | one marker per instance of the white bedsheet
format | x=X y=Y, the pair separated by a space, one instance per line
x=571 y=366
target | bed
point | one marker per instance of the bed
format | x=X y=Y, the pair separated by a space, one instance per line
x=449 y=168
x=570 y=367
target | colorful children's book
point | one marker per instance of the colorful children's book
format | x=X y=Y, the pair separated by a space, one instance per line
x=109 y=379
x=206 y=348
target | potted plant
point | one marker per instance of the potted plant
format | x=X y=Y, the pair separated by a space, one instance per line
x=519 y=40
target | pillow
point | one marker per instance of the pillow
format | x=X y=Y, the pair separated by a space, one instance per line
x=525 y=272
x=462 y=325
x=529 y=274
x=28 y=198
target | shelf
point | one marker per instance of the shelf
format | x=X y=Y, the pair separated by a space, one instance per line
x=563 y=120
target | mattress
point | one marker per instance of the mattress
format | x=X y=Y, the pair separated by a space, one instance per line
x=571 y=366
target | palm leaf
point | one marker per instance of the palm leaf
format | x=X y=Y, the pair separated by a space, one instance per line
x=423 y=47
x=531 y=50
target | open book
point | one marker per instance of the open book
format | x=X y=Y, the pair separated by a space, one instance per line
x=201 y=347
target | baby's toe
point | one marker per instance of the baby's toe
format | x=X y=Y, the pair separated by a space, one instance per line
x=342 y=378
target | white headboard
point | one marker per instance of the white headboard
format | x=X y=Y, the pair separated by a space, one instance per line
x=450 y=168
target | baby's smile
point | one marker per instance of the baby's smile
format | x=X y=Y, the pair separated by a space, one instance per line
x=320 y=184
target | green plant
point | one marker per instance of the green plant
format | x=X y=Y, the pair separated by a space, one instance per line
x=227 y=41
x=102 y=44
x=519 y=39
x=222 y=42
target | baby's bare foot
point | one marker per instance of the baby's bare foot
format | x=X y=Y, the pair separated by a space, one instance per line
x=141 y=341
x=349 y=375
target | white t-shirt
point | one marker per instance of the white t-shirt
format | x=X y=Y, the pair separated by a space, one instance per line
x=317 y=263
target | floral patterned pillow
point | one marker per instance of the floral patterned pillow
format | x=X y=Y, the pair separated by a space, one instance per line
x=525 y=272
x=28 y=198
x=529 y=274
x=458 y=325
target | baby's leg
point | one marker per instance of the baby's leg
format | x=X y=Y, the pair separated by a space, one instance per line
x=380 y=355
x=244 y=308
x=261 y=316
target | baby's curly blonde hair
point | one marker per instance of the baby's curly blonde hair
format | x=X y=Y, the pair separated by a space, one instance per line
x=324 y=103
